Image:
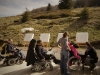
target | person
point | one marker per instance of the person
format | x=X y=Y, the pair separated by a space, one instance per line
x=73 y=47
x=63 y=44
x=90 y=53
x=42 y=53
x=11 y=49
x=30 y=57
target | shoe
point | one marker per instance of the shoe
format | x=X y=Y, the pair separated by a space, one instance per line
x=56 y=61
x=92 y=67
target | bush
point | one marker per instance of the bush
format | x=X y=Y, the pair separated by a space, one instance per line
x=26 y=16
x=84 y=13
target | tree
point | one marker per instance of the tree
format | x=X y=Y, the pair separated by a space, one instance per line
x=26 y=16
x=65 y=4
x=84 y=13
x=49 y=7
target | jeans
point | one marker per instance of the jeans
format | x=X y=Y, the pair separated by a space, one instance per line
x=64 y=62
x=22 y=55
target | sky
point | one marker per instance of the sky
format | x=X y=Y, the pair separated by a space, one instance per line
x=16 y=7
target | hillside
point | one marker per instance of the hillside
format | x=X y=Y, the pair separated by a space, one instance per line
x=11 y=29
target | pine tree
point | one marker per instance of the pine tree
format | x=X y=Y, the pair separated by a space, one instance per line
x=84 y=13
x=65 y=4
x=49 y=7
x=26 y=16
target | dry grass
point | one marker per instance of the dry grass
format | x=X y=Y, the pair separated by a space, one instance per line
x=9 y=29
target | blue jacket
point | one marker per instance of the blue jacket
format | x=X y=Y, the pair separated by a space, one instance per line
x=10 y=48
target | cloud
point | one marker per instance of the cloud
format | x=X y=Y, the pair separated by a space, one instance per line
x=15 y=7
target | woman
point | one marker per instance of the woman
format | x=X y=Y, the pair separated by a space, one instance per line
x=63 y=44
x=30 y=57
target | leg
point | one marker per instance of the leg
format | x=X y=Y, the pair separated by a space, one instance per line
x=62 y=64
x=22 y=55
x=66 y=56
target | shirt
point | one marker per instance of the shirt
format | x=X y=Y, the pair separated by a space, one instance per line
x=64 y=43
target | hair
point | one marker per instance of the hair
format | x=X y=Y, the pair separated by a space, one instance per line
x=74 y=44
x=88 y=44
x=32 y=44
x=65 y=34
x=9 y=39
x=38 y=41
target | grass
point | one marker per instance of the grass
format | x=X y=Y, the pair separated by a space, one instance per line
x=9 y=29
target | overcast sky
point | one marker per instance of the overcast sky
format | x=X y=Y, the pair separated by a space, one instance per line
x=15 y=7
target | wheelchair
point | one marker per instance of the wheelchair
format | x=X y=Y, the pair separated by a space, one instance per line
x=41 y=65
x=75 y=64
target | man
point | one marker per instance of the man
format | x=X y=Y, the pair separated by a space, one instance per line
x=42 y=53
x=10 y=49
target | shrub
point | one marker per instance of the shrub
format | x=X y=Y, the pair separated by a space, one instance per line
x=26 y=16
x=84 y=13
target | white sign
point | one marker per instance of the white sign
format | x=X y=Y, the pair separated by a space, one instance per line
x=60 y=35
x=81 y=37
x=25 y=29
x=45 y=37
x=28 y=37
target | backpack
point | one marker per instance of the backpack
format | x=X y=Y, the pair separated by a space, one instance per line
x=4 y=49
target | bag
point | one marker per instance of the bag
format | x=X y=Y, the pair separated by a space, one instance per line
x=4 y=49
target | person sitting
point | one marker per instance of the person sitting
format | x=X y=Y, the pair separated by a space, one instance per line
x=90 y=53
x=42 y=53
x=73 y=47
x=11 y=49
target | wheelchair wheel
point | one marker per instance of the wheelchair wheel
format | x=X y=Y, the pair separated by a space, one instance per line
x=73 y=63
x=37 y=67
x=11 y=62
x=19 y=62
x=49 y=66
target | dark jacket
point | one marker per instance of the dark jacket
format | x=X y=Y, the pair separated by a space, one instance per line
x=40 y=51
x=92 y=53
x=30 y=57
x=10 y=48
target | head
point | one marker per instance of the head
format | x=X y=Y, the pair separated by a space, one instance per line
x=10 y=41
x=88 y=44
x=39 y=42
x=74 y=44
x=65 y=34
x=32 y=43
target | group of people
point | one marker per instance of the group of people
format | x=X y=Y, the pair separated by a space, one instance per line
x=36 y=48
x=66 y=47
x=37 y=51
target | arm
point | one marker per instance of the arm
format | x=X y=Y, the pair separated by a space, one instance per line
x=58 y=44
x=40 y=53
x=10 y=48
x=68 y=44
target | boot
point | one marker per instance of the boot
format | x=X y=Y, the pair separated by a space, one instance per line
x=56 y=61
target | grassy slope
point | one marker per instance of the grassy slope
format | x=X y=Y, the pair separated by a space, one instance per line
x=13 y=30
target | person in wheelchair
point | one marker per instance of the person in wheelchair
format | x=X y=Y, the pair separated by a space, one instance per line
x=42 y=53
x=90 y=56
x=11 y=49
x=74 y=51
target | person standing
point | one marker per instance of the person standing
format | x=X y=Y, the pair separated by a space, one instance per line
x=63 y=44
x=30 y=57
